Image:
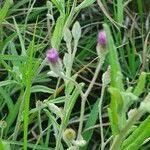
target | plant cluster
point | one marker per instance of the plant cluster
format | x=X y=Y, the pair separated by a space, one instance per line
x=68 y=84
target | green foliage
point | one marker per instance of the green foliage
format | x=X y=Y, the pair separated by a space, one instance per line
x=58 y=32
x=120 y=9
x=91 y=122
x=116 y=75
x=4 y=10
x=135 y=140
x=4 y=145
x=85 y=3
x=140 y=85
x=60 y=5
x=38 y=103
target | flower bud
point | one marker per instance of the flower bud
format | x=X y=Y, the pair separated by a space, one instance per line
x=3 y=124
x=39 y=104
x=52 y=55
x=69 y=134
x=102 y=38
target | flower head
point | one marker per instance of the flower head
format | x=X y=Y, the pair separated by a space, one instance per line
x=52 y=55
x=102 y=38
x=69 y=134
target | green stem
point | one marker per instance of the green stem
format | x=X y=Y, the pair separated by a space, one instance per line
x=40 y=123
x=40 y=136
x=26 y=113
x=100 y=116
x=62 y=126
x=48 y=134
x=27 y=94
x=17 y=126
x=2 y=131
x=84 y=98
x=67 y=111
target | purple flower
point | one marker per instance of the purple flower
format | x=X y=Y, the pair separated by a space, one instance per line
x=102 y=38
x=52 y=55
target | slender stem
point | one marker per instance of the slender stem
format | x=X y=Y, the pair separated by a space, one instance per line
x=18 y=118
x=84 y=98
x=40 y=123
x=44 y=62
x=57 y=86
x=107 y=141
x=28 y=13
x=61 y=128
x=75 y=83
x=2 y=131
x=47 y=135
x=100 y=116
x=26 y=113
x=27 y=97
x=40 y=136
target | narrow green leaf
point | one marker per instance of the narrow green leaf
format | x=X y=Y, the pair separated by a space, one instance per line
x=30 y=146
x=7 y=40
x=7 y=99
x=11 y=117
x=53 y=120
x=91 y=122
x=4 y=10
x=84 y=4
x=23 y=52
x=70 y=85
x=71 y=104
x=67 y=36
x=27 y=91
x=7 y=82
x=58 y=32
x=18 y=5
x=41 y=88
x=13 y=58
x=135 y=140
x=59 y=5
x=120 y=6
x=140 y=8
x=141 y=84
x=76 y=31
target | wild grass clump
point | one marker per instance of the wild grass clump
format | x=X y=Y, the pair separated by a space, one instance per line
x=74 y=75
